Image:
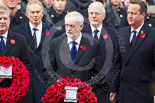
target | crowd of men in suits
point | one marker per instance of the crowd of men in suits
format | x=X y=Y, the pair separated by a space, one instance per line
x=92 y=45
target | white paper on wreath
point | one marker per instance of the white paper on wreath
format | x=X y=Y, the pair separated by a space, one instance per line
x=6 y=72
x=71 y=94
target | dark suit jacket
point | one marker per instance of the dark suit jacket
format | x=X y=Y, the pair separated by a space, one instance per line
x=138 y=63
x=60 y=59
x=110 y=50
x=37 y=56
x=17 y=50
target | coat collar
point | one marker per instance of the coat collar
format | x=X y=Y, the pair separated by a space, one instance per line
x=8 y=42
x=66 y=51
x=138 y=41
x=28 y=34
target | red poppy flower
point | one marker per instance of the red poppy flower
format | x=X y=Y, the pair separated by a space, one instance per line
x=105 y=36
x=83 y=47
x=77 y=82
x=47 y=33
x=142 y=35
x=12 y=41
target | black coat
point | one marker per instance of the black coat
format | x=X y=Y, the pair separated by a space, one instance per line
x=37 y=84
x=138 y=63
x=17 y=50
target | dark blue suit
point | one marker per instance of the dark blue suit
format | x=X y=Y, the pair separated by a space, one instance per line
x=138 y=63
x=111 y=58
x=37 y=84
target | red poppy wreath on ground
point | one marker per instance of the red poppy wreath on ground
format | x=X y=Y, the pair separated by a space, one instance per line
x=57 y=91
x=20 y=80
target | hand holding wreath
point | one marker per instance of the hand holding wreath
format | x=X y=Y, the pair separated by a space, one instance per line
x=20 y=80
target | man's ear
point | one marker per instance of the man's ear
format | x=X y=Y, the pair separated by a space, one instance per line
x=143 y=14
x=104 y=16
x=81 y=26
x=26 y=14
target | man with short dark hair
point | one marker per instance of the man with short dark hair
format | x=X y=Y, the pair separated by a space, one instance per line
x=138 y=57
x=57 y=13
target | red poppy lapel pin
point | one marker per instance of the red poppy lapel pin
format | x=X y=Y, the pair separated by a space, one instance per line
x=142 y=35
x=47 y=33
x=12 y=41
x=105 y=36
x=83 y=47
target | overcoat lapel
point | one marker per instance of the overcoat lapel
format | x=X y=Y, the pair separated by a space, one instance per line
x=80 y=50
x=138 y=42
x=8 y=43
x=28 y=34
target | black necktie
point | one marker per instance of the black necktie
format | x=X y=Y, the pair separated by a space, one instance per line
x=73 y=51
x=134 y=38
x=2 y=44
x=34 y=38
x=95 y=36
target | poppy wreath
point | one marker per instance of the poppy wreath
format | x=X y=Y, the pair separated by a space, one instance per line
x=20 y=80
x=57 y=91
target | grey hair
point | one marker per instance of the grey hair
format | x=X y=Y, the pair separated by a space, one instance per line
x=34 y=2
x=74 y=15
x=97 y=5
x=4 y=9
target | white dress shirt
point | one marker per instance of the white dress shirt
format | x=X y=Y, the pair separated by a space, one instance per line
x=38 y=32
x=78 y=40
x=93 y=29
x=5 y=37
x=137 y=31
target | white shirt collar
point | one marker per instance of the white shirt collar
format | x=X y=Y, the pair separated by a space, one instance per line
x=93 y=28
x=138 y=29
x=69 y=40
x=39 y=27
x=5 y=35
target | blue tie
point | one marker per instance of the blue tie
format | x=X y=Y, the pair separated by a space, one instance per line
x=134 y=38
x=2 y=44
x=73 y=51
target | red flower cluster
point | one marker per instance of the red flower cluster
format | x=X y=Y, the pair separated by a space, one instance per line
x=57 y=91
x=20 y=80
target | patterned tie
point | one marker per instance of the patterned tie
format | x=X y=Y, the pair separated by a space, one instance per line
x=73 y=51
x=34 y=38
x=2 y=44
x=134 y=38
x=95 y=36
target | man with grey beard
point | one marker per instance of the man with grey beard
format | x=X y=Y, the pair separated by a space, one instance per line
x=76 y=54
